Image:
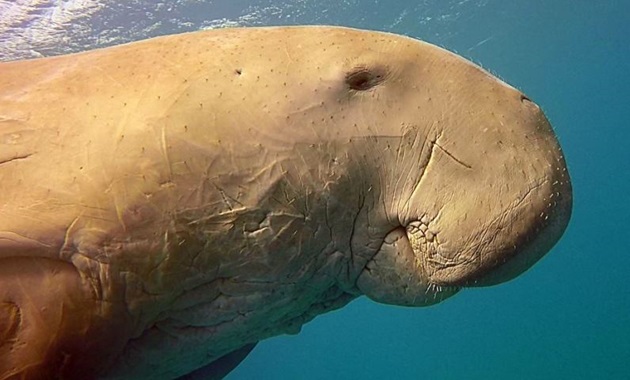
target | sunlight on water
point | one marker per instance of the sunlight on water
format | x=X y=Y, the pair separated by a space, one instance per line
x=37 y=28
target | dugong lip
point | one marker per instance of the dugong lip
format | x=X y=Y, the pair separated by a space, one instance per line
x=470 y=268
x=397 y=274
x=414 y=267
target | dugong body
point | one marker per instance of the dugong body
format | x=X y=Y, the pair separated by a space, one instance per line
x=168 y=202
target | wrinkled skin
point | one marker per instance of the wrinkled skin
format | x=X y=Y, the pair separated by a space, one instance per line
x=166 y=202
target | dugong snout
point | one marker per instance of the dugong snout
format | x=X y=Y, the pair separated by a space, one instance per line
x=494 y=198
x=528 y=227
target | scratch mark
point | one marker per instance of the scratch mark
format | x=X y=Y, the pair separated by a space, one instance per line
x=164 y=147
x=67 y=246
x=106 y=74
x=8 y=237
x=451 y=156
x=286 y=51
x=15 y=158
x=227 y=200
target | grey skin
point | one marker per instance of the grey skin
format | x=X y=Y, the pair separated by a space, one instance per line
x=165 y=203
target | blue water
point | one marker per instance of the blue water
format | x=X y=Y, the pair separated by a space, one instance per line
x=566 y=318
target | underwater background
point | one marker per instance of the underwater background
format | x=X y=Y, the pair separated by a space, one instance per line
x=566 y=318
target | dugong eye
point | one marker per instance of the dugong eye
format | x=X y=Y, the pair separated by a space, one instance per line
x=362 y=78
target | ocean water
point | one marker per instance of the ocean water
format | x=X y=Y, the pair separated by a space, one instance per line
x=566 y=318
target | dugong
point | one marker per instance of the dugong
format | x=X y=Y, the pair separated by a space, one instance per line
x=166 y=204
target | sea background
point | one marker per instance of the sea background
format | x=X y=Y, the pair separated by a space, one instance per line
x=566 y=318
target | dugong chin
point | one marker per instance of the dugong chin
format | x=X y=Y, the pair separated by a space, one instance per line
x=166 y=204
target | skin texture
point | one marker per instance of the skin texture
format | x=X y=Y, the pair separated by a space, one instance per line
x=167 y=202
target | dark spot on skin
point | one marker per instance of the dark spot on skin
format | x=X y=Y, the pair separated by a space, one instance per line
x=363 y=78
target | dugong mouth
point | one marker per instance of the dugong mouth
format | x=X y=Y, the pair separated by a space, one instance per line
x=417 y=266
x=397 y=274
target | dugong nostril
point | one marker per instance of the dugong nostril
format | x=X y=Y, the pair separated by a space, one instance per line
x=526 y=100
x=528 y=103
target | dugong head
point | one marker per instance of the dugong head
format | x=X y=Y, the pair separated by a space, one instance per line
x=473 y=190
x=456 y=177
